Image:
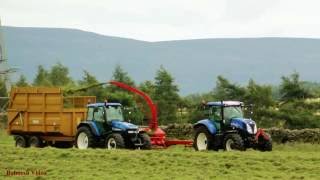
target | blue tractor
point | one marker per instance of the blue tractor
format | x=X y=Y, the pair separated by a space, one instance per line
x=226 y=128
x=105 y=126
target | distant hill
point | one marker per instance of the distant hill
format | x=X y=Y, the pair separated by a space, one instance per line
x=194 y=63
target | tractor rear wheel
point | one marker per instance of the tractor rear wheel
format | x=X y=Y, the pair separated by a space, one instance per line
x=145 y=140
x=84 y=138
x=21 y=141
x=35 y=141
x=202 y=139
x=115 y=141
x=233 y=142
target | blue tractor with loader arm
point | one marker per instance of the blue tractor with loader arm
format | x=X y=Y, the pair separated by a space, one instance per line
x=105 y=126
x=226 y=128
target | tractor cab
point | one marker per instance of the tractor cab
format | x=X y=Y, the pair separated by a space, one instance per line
x=108 y=117
x=223 y=112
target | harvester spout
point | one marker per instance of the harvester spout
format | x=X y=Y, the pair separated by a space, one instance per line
x=153 y=124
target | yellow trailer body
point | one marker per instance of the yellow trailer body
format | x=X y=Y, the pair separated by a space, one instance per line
x=46 y=113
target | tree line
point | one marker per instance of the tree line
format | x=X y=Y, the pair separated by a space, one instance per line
x=292 y=104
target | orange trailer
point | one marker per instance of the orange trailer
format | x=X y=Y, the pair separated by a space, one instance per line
x=39 y=115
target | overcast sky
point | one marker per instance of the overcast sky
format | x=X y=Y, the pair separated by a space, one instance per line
x=170 y=19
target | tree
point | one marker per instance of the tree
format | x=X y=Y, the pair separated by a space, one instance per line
x=225 y=90
x=22 y=81
x=132 y=110
x=120 y=75
x=3 y=93
x=166 y=96
x=292 y=88
x=3 y=89
x=59 y=75
x=259 y=95
x=89 y=80
x=42 y=78
x=194 y=105
x=148 y=87
x=3 y=102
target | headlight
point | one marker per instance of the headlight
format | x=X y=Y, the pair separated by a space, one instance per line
x=133 y=131
x=116 y=129
x=255 y=129
x=249 y=129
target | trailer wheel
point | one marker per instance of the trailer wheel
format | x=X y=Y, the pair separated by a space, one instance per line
x=145 y=139
x=35 y=141
x=115 y=141
x=202 y=139
x=233 y=142
x=84 y=138
x=21 y=141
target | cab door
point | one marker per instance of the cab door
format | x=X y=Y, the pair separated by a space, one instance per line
x=216 y=117
x=99 y=118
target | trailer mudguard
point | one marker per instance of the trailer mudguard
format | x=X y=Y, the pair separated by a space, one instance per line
x=92 y=125
x=208 y=124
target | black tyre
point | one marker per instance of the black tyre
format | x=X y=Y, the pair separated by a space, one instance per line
x=145 y=140
x=265 y=145
x=202 y=139
x=115 y=141
x=84 y=138
x=233 y=142
x=21 y=141
x=35 y=141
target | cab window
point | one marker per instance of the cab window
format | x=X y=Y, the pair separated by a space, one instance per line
x=114 y=113
x=216 y=113
x=90 y=113
x=98 y=114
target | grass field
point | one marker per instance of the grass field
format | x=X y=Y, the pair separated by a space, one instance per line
x=293 y=161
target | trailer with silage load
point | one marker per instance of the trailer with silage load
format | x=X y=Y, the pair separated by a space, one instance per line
x=42 y=116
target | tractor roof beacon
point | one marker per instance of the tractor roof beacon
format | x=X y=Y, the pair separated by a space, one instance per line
x=226 y=128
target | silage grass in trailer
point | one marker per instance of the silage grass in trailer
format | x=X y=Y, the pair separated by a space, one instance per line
x=291 y=161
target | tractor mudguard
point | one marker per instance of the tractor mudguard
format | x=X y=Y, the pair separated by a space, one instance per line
x=93 y=127
x=208 y=124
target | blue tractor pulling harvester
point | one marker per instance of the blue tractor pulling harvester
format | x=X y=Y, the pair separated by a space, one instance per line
x=105 y=127
x=226 y=128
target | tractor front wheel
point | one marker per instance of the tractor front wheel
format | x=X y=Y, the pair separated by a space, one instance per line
x=233 y=142
x=202 y=139
x=115 y=141
x=145 y=140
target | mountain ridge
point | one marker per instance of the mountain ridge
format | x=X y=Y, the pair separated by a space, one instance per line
x=194 y=63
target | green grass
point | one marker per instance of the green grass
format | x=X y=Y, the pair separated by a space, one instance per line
x=293 y=161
